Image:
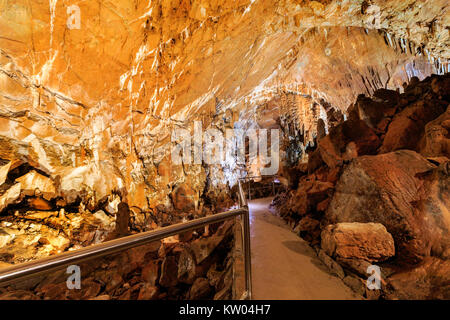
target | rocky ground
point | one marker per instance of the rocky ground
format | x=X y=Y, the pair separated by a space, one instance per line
x=376 y=191
x=193 y=266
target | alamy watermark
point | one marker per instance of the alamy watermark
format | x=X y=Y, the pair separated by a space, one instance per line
x=374 y=280
x=74 y=19
x=74 y=280
x=213 y=147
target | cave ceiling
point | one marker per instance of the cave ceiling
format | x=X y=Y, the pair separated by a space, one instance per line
x=134 y=69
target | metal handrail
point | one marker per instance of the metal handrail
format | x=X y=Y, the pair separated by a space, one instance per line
x=33 y=268
x=249 y=179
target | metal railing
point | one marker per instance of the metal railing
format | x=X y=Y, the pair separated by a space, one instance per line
x=249 y=180
x=34 y=268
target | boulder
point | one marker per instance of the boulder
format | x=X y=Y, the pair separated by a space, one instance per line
x=150 y=273
x=200 y=289
x=186 y=267
x=348 y=140
x=387 y=189
x=428 y=280
x=148 y=292
x=436 y=139
x=356 y=284
x=308 y=229
x=169 y=271
x=357 y=266
x=332 y=265
x=203 y=247
x=308 y=195
x=366 y=241
x=374 y=110
x=408 y=126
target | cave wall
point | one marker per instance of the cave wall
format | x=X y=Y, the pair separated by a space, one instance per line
x=99 y=103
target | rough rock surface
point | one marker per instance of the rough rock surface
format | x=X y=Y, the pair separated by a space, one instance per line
x=151 y=272
x=406 y=193
x=366 y=241
x=385 y=189
x=59 y=118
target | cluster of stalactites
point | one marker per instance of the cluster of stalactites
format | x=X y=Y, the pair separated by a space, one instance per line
x=406 y=46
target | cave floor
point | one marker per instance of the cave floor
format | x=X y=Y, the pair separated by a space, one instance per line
x=283 y=265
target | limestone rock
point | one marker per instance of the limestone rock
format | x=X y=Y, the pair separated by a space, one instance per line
x=150 y=273
x=200 y=289
x=183 y=198
x=4 y=169
x=186 y=267
x=309 y=229
x=428 y=280
x=366 y=241
x=374 y=111
x=35 y=184
x=202 y=248
x=12 y=195
x=407 y=127
x=148 y=292
x=332 y=265
x=169 y=270
x=106 y=220
x=5 y=238
x=386 y=189
x=356 y=284
x=436 y=139
x=357 y=266
x=348 y=140
x=39 y=204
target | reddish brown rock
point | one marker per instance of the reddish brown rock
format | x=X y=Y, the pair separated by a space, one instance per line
x=122 y=219
x=308 y=195
x=436 y=139
x=374 y=111
x=203 y=247
x=18 y=295
x=408 y=126
x=308 y=228
x=150 y=273
x=428 y=280
x=332 y=265
x=200 y=289
x=348 y=140
x=357 y=266
x=366 y=241
x=387 y=189
x=148 y=292
x=183 y=198
x=169 y=270
x=186 y=267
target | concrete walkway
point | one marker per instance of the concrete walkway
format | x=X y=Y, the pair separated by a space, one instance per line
x=283 y=265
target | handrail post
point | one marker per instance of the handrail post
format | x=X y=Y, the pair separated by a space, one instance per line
x=248 y=260
x=247 y=248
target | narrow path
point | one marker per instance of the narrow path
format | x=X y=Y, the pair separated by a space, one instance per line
x=283 y=265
